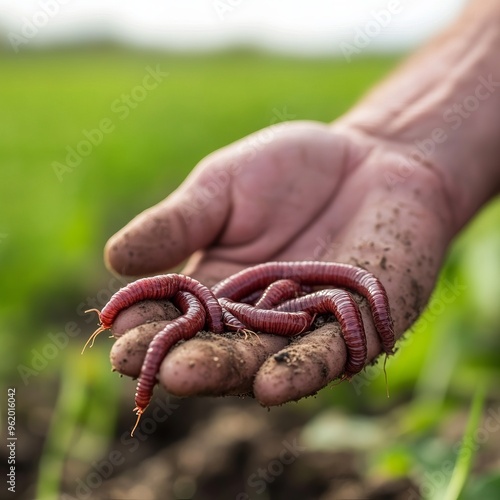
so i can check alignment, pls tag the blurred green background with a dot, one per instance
(53, 227)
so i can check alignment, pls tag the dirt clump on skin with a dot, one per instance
(143, 312)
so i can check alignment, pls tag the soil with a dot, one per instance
(231, 449)
(200, 448)
(234, 449)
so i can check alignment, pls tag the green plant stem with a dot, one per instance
(468, 447)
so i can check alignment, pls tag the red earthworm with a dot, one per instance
(345, 309)
(253, 297)
(316, 273)
(158, 287)
(183, 327)
(231, 322)
(269, 321)
(277, 292)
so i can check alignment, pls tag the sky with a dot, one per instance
(302, 27)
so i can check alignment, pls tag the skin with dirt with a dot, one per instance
(314, 360)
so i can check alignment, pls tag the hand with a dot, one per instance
(294, 191)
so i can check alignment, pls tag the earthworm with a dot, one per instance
(253, 297)
(316, 273)
(345, 309)
(277, 292)
(269, 321)
(268, 285)
(183, 327)
(231, 322)
(159, 287)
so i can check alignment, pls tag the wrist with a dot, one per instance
(399, 173)
(441, 111)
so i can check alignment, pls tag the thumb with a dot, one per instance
(189, 219)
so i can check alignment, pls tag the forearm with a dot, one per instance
(443, 106)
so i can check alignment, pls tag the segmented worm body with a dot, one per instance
(256, 295)
(278, 292)
(183, 327)
(345, 309)
(164, 287)
(286, 324)
(231, 322)
(283, 306)
(160, 287)
(258, 277)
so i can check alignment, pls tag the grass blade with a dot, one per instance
(467, 449)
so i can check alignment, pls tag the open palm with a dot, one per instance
(294, 191)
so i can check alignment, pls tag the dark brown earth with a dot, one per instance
(234, 449)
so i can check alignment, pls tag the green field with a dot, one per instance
(55, 221)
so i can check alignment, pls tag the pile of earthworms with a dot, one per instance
(275, 298)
